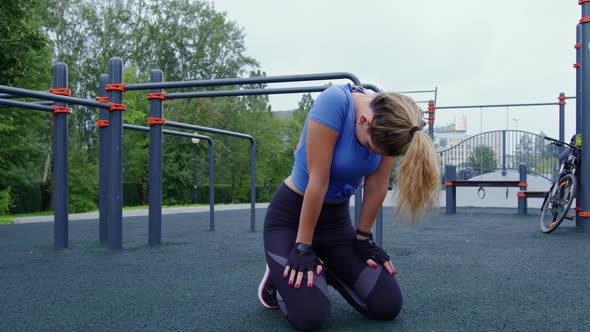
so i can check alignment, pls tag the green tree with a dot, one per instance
(483, 159)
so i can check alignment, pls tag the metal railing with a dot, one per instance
(504, 150)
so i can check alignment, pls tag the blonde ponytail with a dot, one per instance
(418, 178)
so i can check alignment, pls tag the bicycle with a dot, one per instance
(560, 196)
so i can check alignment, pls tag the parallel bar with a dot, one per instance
(247, 80)
(245, 92)
(115, 228)
(155, 167)
(416, 91)
(165, 132)
(561, 118)
(211, 163)
(496, 105)
(579, 120)
(585, 82)
(60, 163)
(39, 103)
(23, 104)
(252, 160)
(371, 87)
(50, 96)
(104, 138)
(10, 96)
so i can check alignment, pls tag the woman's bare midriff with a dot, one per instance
(289, 183)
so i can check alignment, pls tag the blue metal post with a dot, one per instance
(562, 103)
(103, 164)
(504, 153)
(60, 163)
(585, 162)
(451, 190)
(431, 111)
(115, 226)
(155, 173)
(578, 116)
(379, 227)
(522, 201)
(253, 187)
(358, 201)
(211, 189)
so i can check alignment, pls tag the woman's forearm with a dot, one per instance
(373, 198)
(310, 211)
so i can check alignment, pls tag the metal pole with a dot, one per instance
(35, 103)
(579, 118)
(155, 168)
(27, 105)
(195, 174)
(584, 197)
(211, 188)
(115, 227)
(431, 111)
(240, 81)
(103, 164)
(244, 92)
(522, 201)
(358, 201)
(379, 227)
(504, 153)
(60, 163)
(451, 190)
(252, 156)
(253, 186)
(562, 103)
(54, 97)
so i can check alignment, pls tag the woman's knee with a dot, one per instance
(385, 300)
(309, 316)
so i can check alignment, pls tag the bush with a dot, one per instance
(79, 204)
(5, 201)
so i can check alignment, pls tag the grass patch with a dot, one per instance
(6, 220)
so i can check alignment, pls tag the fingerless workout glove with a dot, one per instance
(367, 249)
(302, 258)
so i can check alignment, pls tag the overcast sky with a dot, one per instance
(475, 52)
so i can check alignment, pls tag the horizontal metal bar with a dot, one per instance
(243, 80)
(461, 183)
(573, 97)
(9, 96)
(245, 92)
(497, 105)
(416, 91)
(166, 132)
(31, 102)
(50, 96)
(372, 87)
(23, 104)
(208, 130)
(423, 102)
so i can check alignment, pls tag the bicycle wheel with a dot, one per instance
(556, 207)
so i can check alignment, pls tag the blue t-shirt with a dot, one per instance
(351, 162)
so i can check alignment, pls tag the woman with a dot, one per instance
(309, 240)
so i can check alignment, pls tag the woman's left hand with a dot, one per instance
(370, 252)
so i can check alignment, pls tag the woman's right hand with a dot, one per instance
(302, 259)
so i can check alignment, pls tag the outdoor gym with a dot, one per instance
(462, 266)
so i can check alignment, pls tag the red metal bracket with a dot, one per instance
(115, 87)
(449, 184)
(61, 91)
(156, 95)
(584, 214)
(116, 107)
(102, 99)
(578, 45)
(521, 195)
(431, 107)
(61, 109)
(155, 121)
(577, 209)
(576, 65)
(582, 1)
(585, 19)
(102, 123)
(523, 184)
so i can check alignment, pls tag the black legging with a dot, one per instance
(373, 292)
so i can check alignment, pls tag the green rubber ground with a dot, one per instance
(480, 270)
